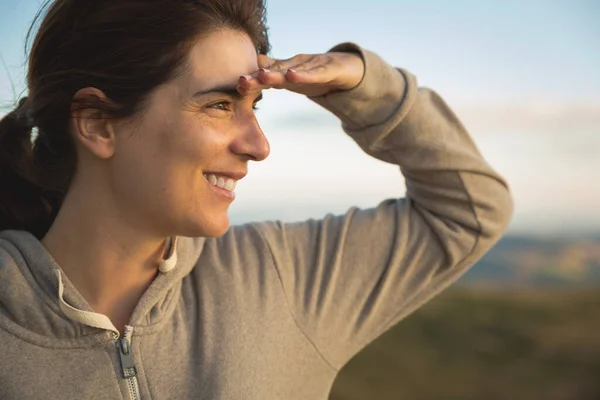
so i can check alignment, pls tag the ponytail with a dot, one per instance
(24, 204)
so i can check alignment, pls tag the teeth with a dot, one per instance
(221, 181)
(229, 185)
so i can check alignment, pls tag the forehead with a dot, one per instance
(221, 58)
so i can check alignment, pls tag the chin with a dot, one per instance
(217, 232)
(206, 228)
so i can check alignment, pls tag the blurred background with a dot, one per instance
(524, 78)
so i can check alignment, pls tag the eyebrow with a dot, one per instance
(228, 90)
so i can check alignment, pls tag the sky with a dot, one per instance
(521, 75)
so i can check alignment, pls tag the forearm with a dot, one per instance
(395, 121)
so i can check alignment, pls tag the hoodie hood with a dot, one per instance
(31, 282)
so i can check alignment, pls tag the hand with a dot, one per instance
(307, 74)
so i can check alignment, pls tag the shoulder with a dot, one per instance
(240, 254)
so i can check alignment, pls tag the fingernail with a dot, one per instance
(246, 77)
(293, 70)
(264, 70)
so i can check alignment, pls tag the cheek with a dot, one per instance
(161, 166)
(142, 161)
(138, 175)
(181, 156)
(199, 142)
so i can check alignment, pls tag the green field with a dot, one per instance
(485, 344)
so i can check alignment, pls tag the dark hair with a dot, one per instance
(125, 48)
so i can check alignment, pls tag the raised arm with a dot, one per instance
(349, 278)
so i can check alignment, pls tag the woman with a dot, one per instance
(120, 276)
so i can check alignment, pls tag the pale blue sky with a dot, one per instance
(521, 74)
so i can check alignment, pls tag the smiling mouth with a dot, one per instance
(220, 181)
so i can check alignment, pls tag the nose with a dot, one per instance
(251, 141)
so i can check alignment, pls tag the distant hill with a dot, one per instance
(536, 262)
(485, 344)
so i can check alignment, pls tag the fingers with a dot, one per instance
(273, 78)
(311, 82)
(260, 80)
(283, 65)
(275, 73)
(316, 75)
(310, 75)
(265, 79)
(307, 74)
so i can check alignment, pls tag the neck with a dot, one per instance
(109, 262)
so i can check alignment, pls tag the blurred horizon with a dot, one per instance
(521, 76)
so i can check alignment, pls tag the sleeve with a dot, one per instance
(349, 278)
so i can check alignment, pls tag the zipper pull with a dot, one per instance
(127, 364)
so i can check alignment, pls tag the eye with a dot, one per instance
(221, 105)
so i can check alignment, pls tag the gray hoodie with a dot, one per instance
(270, 310)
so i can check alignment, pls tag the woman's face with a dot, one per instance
(194, 126)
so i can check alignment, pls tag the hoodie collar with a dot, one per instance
(45, 301)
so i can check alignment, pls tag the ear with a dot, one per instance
(91, 127)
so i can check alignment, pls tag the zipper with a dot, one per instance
(127, 364)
